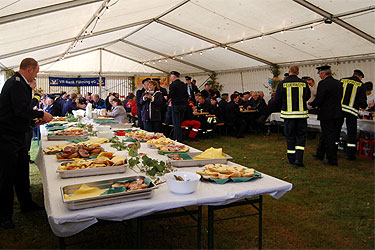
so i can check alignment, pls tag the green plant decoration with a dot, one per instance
(215, 85)
(9, 73)
(275, 70)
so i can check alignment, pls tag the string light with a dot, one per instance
(182, 57)
(226, 47)
(261, 37)
(312, 27)
(201, 53)
(191, 53)
(213, 48)
(241, 41)
(282, 32)
(159, 60)
(166, 60)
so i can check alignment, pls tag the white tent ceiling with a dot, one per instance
(190, 36)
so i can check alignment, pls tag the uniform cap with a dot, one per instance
(359, 72)
(324, 67)
(175, 73)
(286, 74)
(187, 77)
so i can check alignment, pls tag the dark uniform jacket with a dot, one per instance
(15, 109)
(151, 110)
(293, 93)
(138, 96)
(100, 104)
(192, 93)
(259, 105)
(195, 89)
(328, 99)
(354, 95)
(207, 94)
(204, 107)
(188, 114)
(54, 109)
(69, 106)
(178, 93)
(232, 112)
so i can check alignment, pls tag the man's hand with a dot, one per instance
(47, 117)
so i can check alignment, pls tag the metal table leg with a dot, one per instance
(139, 233)
(260, 239)
(199, 229)
(210, 227)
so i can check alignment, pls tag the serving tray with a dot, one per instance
(107, 199)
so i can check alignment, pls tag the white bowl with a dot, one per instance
(189, 185)
(105, 134)
(103, 128)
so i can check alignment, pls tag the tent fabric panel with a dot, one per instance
(14, 7)
(325, 41)
(115, 63)
(130, 11)
(174, 65)
(45, 29)
(38, 55)
(133, 52)
(366, 22)
(340, 6)
(221, 59)
(88, 62)
(91, 41)
(225, 22)
(167, 40)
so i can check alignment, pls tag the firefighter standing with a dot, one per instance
(354, 97)
(292, 93)
(328, 101)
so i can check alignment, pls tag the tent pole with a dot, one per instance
(100, 72)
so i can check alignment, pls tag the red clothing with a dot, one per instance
(133, 108)
(192, 124)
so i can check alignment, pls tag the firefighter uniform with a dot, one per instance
(354, 97)
(15, 117)
(292, 93)
(328, 101)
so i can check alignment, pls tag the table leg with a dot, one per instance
(139, 233)
(62, 243)
(260, 221)
(199, 229)
(210, 227)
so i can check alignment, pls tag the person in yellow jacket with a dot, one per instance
(292, 93)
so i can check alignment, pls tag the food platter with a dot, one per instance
(108, 198)
(222, 173)
(199, 162)
(92, 171)
(65, 137)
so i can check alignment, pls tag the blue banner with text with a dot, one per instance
(73, 82)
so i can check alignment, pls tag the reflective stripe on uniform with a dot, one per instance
(351, 145)
(300, 148)
(37, 97)
(352, 97)
(291, 151)
(349, 109)
(289, 98)
(294, 114)
(194, 129)
(300, 94)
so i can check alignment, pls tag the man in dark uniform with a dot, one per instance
(189, 88)
(138, 96)
(178, 95)
(233, 115)
(292, 93)
(15, 117)
(354, 97)
(195, 88)
(328, 101)
(207, 92)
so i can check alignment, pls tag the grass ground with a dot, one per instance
(329, 207)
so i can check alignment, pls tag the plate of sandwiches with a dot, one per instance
(222, 173)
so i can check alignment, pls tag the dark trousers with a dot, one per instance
(140, 122)
(177, 118)
(295, 131)
(240, 126)
(351, 126)
(327, 143)
(14, 172)
(152, 126)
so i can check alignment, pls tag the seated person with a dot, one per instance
(246, 99)
(214, 107)
(233, 115)
(190, 122)
(97, 102)
(202, 105)
(207, 92)
(118, 111)
(71, 105)
(128, 102)
(257, 119)
(53, 108)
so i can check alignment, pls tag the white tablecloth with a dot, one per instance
(313, 122)
(66, 222)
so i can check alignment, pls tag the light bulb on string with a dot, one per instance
(261, 37)
(182, 57)
(312, 27)
(225, 47)
(159, 60)
(241, 41)
(191, 53)
(282, 32)
(166, 60)
(201, 53)
(213, 48)
(153, 62)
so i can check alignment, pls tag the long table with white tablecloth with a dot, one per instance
(65, 222)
